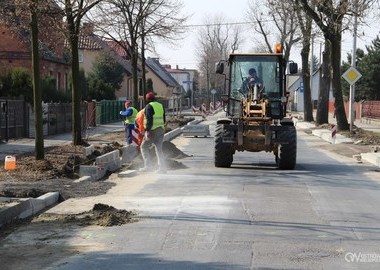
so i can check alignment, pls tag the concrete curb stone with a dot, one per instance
(28, 207)
(373, 158)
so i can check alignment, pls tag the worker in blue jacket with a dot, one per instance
(129, 122)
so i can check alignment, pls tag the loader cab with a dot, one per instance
(270, 74)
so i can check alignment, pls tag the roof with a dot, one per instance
(161, 72)
(87, 43)
(93, 42)
(294, 79)
(172, 70)
(44, 51)
(119, 49)
(21, 28)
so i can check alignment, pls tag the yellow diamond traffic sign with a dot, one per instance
(352, 75)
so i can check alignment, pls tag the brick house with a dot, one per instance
(15, 47)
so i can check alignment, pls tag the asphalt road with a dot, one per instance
(325, 214)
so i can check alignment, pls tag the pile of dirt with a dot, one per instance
(364, 136)
(100, 215)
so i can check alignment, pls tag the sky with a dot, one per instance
(183, 52)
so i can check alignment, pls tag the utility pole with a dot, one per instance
(353, 64)
(312, 63)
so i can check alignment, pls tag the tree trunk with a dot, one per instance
(39, 139)
(308, 106)
(76, 94)
(324, 88)
(76, 91)
(340, 113)
(135, 81)
(143, 66)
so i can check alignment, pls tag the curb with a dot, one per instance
(28, 207)
(373, 158)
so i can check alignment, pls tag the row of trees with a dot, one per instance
(293, 22)
(130, 23)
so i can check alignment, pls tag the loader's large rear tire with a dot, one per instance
(223, 155)
(287, 153)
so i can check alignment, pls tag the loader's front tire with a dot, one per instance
(223, 155)
(287, 152)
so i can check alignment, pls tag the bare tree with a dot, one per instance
(322, 116)
(74, 11)
(275, 20)
(215, 42)
(330, 16)
(160, 23)
(128, 22)
(39, 137)
(15, 14)
(305, 25)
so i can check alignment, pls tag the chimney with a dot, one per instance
(177, 67)
(88, 28)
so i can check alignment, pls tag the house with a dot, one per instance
(164, 85)
(185, 77)
(91, 46)
(15, 46)
(295, 87)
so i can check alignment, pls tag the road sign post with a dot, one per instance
(333, 134)
(352, 75)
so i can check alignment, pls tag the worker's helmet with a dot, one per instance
(150, 96)
(127, 103)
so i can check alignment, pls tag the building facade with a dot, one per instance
(16, 47)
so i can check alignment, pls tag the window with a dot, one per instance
(58, 81)
(267, 69)
(80, 56)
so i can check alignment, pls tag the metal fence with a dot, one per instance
(17, 119)
(13, 115)
(108, 111)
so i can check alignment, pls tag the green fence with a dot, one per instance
(108, 111)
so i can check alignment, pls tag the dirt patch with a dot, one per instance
(101, 215)
(358, 135)
(60, 168)
(363, 141)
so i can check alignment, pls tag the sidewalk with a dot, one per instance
(326, 134)
(25, 145)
